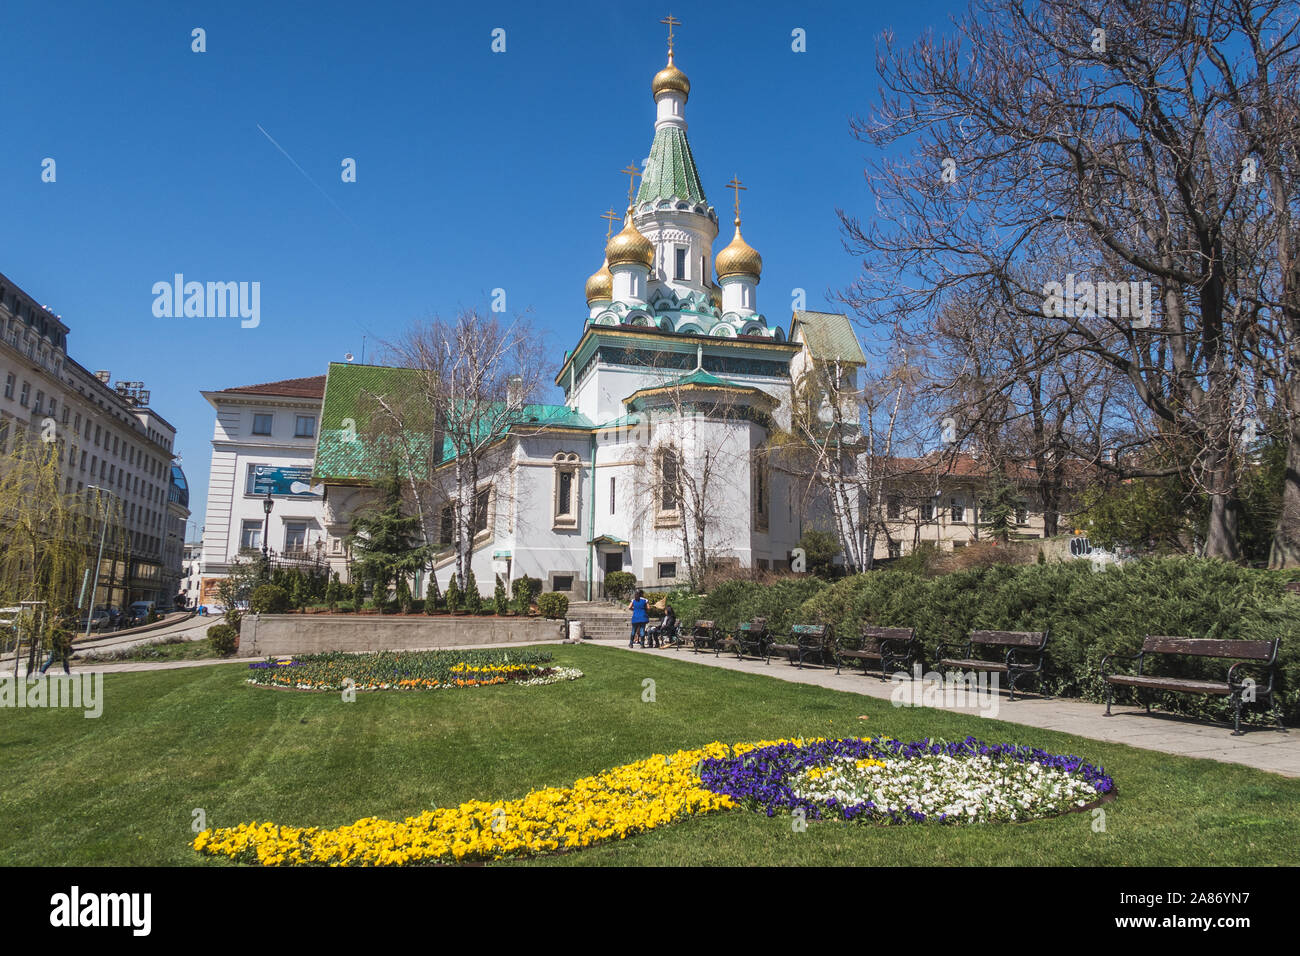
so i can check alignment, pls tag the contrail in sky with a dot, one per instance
(327, 196)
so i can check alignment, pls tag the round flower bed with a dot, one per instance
(887, 781)
(409, 670)
(864, 780)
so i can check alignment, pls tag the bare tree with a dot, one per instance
(475, 376)
(1102, 135)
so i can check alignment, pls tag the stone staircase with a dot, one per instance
(601, 620)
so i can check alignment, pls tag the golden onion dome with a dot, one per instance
(739, 258)
(629, 247)
(670, 78)
(715, 296)
(600, 287)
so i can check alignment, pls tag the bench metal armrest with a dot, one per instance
(942, 650)
(1262, 665)
(1120, 657)
(1026, 665)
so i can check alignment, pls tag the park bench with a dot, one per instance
(704, 634)
(1025, 651)
(810, 641)
(1258, 654)
(750, 638)
(895, 648)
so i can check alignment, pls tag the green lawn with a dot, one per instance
(122, 789)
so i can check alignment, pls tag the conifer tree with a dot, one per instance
(431, 596)
(453, 594)
(499, 597)
(385, 541)
(473, 600)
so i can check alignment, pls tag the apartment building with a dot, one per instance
(112, 445)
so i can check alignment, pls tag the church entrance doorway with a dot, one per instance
(613, 562)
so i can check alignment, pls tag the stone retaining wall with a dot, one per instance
(263, 635)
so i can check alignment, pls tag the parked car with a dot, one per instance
(99, 620)
(139, 611)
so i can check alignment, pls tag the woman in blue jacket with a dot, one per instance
(640, 609)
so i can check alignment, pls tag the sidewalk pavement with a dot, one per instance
(1262, 748)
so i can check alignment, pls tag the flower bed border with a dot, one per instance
(748, 781)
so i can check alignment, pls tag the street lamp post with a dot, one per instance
(94, 584)
(267, 504)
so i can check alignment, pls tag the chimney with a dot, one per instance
(515, 391)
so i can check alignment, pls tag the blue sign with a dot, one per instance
(288, 482)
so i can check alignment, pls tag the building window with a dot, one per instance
(295, 537)
(667, 570)
(4, 435)
(447, 518)
(562, 582)
(680, 272)
(24, 397)
(446, 526)
(958, 510)
(760, 492)
(1022, 514)
(261, 424)
(304, 427)
(250, 536)
(612, 499)
(566, 490)
(9, 385)
(893, 507)
(40, 401)
(669, 479)
(895, 549)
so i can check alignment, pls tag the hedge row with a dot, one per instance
(1090, 613)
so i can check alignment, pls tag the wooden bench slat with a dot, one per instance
(1171, 683)
(1010, 638)
(1208, 647)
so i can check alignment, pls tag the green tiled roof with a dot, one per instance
(829, 336)
(699, 379)
(671, 172)
(358, 439)
(530, 417)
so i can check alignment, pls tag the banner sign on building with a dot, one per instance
(289, 481)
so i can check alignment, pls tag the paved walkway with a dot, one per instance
(1264, 749)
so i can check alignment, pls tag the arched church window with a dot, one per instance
(565, 496)
(669, 485)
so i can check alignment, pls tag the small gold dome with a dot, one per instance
(670, 78)
(629, 246)
(739, 258)
(715, 296)
(600, 287)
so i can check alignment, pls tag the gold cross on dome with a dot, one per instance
(612, 217)
(632, 172)
(671, 22)
(735, 186)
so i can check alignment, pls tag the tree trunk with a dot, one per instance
(1221, 539)
(1285, 551)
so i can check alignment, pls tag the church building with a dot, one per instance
(660, 457)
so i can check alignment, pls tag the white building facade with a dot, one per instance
(264, 441)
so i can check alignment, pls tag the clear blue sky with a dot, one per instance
(475, 170)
